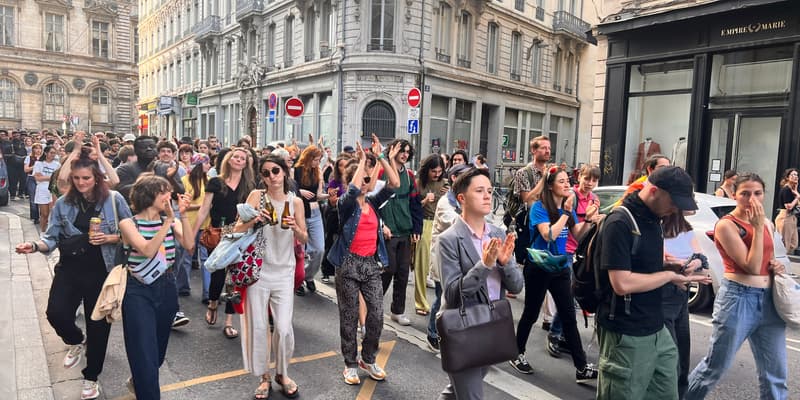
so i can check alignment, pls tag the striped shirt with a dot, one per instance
(148, 230)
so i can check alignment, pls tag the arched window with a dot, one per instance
(55, 100)
(101, 110)
(8, 98)
(379, 119)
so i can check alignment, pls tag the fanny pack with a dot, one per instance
(151, 269)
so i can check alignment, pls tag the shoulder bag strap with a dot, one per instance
(114, 207)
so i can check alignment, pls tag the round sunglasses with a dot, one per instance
(275, 171)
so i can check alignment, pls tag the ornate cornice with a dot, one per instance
(101, 8)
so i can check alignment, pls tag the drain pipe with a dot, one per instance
(339, 133)
(422, 79)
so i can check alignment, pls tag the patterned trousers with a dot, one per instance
(359, 274)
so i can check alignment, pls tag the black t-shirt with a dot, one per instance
(223, 205)
(646, 316)
(85, 212)
(313, 187)
(785, 196)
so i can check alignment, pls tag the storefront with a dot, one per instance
(713, 87)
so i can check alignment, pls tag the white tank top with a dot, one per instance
(680, 246)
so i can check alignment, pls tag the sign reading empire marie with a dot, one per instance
(753, 28)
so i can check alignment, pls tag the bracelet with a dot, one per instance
(381, 156)
(35, 246)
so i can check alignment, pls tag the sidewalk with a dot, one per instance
(21, 339)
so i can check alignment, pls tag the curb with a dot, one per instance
(31, 376)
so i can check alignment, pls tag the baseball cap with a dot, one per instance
(129, 137)
(676, 182)
(348, 149)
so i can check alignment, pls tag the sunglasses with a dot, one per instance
(275, 171)
(367, 179)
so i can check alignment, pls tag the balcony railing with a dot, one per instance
(208, 27)
(514, 76)
(463, 62)
(442, 57)
(566, 22)
(380, 47)
(248, 8)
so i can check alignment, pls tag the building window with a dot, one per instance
(136, 46)
(8, 99)
(270, 46)
(462, 129)
(100, 41)
(540, 10)
(519, 5)
(465, 40)
(491, 48)
(252, 41)
(310, 30)
(53, 32)
(439, 123)
(178, 79)
(287, 41)
(6, 26)
(379, 118)
(442, 45)
(101, 112)
(326, 29)
(569, 72)
(55, 100)
(557, 65)
(516, 59)
(382, 25)
(536, 63)
(228, 61)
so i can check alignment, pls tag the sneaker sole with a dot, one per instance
(73, 365)
(585, 380)
(352, 383)
(519, 370)
(180, 323)
(372, 376)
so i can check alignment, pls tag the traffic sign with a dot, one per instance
(414, 97)
(294, 107)
(273, 101)
(413, 113)
(413, 126)
(271, 116)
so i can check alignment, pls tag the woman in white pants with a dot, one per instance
(275, 288)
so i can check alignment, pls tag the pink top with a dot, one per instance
(580, 211)
(365, 241)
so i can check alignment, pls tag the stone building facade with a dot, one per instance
(492, 74)
(68, 64)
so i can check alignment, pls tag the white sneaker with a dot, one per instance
(374, 370)
(74, 355)
(351, 376)
(91, 390)
(401, 319)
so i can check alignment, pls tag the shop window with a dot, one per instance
(327, 123)
(439, 122)
(379, 118)
(8, 98)
(751, 77)
(189, 122)
(534, 130)
(509, 150)
(462, 129)
(662, 76)
(309, 114)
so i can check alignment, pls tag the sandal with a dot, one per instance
(288, 387)
(211, 315)
(262, 392)
(229, 332)
(422, 312)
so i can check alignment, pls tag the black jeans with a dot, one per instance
(215, 289)
(75, 282)
(537, 283)
(399, 252)
(16, 179)
(675, 302)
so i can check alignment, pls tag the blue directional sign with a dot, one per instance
(271, 116)
(413, 126)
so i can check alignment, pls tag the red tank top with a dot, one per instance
(769, 248)
(365, 241)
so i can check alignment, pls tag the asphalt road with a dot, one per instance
(202, 364)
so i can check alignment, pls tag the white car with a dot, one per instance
(710, 209)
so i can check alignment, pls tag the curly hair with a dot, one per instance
(145, 190)
(310, 175)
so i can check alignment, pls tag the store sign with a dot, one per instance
(751, 28)
(165, 102)
(191, 99)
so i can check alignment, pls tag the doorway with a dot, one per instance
(745, 141)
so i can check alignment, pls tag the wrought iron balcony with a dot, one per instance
(463, 62)
(387, 46)
(570, 24)
(248, 8)
(442, 56)
(210, 26)
(515, 76)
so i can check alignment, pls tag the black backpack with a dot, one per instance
(589, 288)
(516, 220)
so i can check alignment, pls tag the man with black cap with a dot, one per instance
(349, 150)
(638, 357)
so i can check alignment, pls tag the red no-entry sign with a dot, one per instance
(294, 107)
(414, 97)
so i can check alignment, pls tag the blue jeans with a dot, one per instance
(147, 313)
(437, 303)
(30, 184)
(182, 266)
(202, 256)
(743, 312)
(316, 243)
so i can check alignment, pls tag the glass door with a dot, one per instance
(745, 143)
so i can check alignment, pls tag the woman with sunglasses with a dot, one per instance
(359, 255)
(274, 290)
(222, 194)
(552, 219)
(85, 257)
(148, 309)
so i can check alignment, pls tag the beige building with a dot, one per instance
(68, 64)
(492, 74)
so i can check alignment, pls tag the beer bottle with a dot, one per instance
(273, 216)
(285, 214)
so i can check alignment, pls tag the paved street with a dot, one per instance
(203, 364)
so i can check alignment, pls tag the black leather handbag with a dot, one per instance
(477, 335)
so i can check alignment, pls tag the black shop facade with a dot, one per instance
(713, 87)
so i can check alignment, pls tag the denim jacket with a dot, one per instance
(63, 215)
(351, 214)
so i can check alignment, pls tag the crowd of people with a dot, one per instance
(360, 219)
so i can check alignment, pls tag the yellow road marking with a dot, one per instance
(383, 356)
(232, 374)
